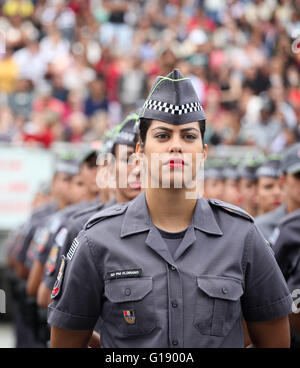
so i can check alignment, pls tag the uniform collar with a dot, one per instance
(137, 218)
(204, 218)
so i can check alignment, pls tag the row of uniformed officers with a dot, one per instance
(128, 267)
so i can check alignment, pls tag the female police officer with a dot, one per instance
(167, 271)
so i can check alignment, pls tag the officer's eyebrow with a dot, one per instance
(171, 130)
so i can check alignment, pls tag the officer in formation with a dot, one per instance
(252, 184)
(290, 186)
(122, 147)
(54, 234)
(285, 239)
(40, 246)
(40, 203)
(287, 253)
(170, 269)
(119, 149)
(21, 252)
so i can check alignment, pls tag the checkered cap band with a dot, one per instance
(173, 109)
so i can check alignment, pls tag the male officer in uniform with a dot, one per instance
(290, 183)
(164, 270)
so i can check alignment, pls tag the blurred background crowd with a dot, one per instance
(71, 69)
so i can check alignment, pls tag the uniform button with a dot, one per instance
(175, 342)
(118, 209)
(174, 304)
(172, 268)
(127, 292)
(224, 291)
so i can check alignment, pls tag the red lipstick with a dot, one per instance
(176, 162)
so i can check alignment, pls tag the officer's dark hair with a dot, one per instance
(145, 125)
(113, 150)
(91, 161)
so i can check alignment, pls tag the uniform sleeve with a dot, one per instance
(71, 232)
(77, 305)
(266, 296)
(286, 248)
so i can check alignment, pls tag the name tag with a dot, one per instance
(123, 274)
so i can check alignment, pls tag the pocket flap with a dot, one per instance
(126, 290)
(220, 287)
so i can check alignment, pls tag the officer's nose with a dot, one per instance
(175, 146)
(136, 171)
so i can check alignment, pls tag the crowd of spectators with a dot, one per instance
(70, 69)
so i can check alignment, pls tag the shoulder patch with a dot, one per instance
(231, 208)
(115, 210)
(50, 265)
(58, 283)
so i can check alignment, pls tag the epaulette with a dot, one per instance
(231, 208)
(91, 208)
(115, 210)
(290, 217)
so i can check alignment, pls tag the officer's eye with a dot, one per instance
(190, 137)
(162, 136)
(269, 186)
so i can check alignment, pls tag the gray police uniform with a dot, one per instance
(53, 227)
(25, 325)
(268, 222)
(287, 249)
(35, 221)
(122, 271)
(287, 253)
(65, 237)
(290, 165)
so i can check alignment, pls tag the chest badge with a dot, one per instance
(129, 316)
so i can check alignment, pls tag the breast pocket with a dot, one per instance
(130, 305)
(217, 305)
